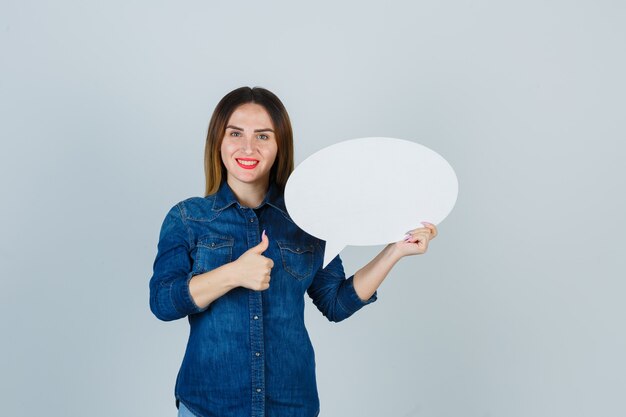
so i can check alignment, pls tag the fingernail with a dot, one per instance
(407, 237)
(263, 233)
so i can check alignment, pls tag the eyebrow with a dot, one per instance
(256, 130)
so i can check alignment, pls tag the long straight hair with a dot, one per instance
(214, 168)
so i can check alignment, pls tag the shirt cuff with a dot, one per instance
(181, 297)
(350, 300)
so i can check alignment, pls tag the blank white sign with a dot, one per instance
(369, 191)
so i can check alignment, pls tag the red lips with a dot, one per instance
(247, 166)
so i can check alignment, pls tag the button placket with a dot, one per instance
(257, 361)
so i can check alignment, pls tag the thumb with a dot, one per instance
(262, 246)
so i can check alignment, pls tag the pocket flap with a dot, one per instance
(295, 247)
(213, 241)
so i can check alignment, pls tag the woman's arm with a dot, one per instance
(176, 293)
(337, 298)
(169, 292)
(209, 286)
(251, 270)
(369, 278)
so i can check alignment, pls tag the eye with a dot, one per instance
(234, 133)
(264, 137)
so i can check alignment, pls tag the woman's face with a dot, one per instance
(249, 145)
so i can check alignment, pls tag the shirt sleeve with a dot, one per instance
(170, 298)
(333, 294)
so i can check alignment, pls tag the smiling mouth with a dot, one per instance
(247, 163)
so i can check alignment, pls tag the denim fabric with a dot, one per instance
(248, 353)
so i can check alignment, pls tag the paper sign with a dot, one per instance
(369, 191)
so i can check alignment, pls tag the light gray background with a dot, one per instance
(517, 308)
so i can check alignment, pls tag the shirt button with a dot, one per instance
(251, 220)
(258, 390)
(256, 317)
(258, 354)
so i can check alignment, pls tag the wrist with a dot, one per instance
(231, 275)
(392, 252)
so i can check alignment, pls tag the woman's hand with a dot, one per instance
(252, 269)
(416, 241)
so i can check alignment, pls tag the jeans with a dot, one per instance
(184, 411)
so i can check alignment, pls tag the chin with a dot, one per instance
(251, 180)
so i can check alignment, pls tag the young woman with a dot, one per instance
(236, 265)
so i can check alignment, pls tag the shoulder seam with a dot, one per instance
(183, 216)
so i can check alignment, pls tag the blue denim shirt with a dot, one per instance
(248, 353)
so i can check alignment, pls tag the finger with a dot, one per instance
(411, 233)
(432, 228)
(418, 242)
(421, 240)
(418, 246)
(261, 246)
(420, 235)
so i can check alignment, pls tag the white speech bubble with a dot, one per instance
(369, 191)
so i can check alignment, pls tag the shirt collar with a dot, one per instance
(225, 197)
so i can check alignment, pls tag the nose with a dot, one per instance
(248, 145)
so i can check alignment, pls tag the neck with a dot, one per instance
(248, 195)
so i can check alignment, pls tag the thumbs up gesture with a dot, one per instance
(252, 269)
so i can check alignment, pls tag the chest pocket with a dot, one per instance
(212, 251)
(297, 259)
